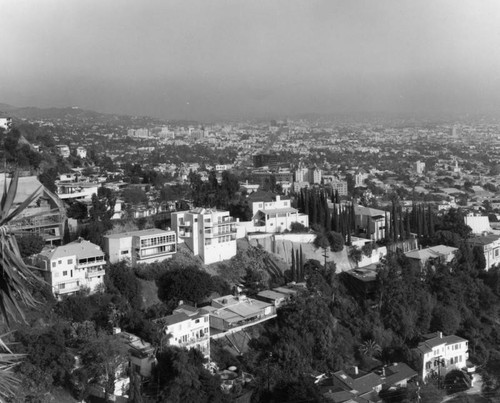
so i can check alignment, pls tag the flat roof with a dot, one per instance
(144, 232)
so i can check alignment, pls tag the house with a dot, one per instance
(73, 267)
(208, 233)
(45, 216)
(142, 354)
(371, 220)
(5, 123)
(76, 190)
(440, 354)
(187, 327)
(490, 246)
(276, 215)
(421, 258)
(145, 246)
(273, 297)
(229, 313)
(354, 385)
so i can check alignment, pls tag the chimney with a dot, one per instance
(440, 335)
(356, 372)
(278, 198)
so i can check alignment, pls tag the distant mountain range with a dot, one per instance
(77, 114)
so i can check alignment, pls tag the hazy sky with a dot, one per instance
(214, 58)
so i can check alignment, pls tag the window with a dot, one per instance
(59, 262)
(124, 252)
(53, 264)
(65, 273)
(197, 321)
(62, 286)
(70, 261)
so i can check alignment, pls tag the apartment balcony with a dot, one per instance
(185, 234)
(95, 272)
(215, 234)
(228, 220)
(90, 262)
(68, 289)
(194, 340)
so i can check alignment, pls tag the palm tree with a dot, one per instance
(370, 348)
(14, 279)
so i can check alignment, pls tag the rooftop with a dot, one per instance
(144, 232)
(81, 249)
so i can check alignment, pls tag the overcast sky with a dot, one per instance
(214, 58)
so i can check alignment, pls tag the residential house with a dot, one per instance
(187, 327)
(208, 233)
(145, 246)
(73, 267)
(76, 190)
(276, 215)
(440, 354)
(142, 354)
(63, 150)
(354, 385)
(371, 220)
(422, 258)
(229, 313)
(45, 216)
(490, 246)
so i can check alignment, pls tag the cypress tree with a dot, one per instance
(431, 221)
(386, 228)
(369, 227)
(425, 225)
(293, 265)
(401, 223)
(301, 265)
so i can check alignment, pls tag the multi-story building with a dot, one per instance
(81, 152)
(188, 327)
(275, 216)
(145, 246)
(490, 246)
(335, 184)
(73, 267)
(63, 150)
(419, 167)
(440, 354)
(44, 216)
(209, 233)
(371, 220)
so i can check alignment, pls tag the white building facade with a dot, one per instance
(146, 246)
(440, 354)
(208, 233)
(73, 267)
(188, 327)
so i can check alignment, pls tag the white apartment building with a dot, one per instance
(275, 216)
(73, 267)
(81, 152)
(209, 233)
(145, 246)
(419, 167)
(440, 354)
(188, 327)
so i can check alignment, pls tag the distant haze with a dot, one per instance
(211, 59)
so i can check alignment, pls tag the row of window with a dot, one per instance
(157, 241)
(81, 261)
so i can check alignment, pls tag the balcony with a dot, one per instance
(95, 272)
(194, 340)
(91, 261)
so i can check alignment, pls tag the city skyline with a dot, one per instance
(224, 59)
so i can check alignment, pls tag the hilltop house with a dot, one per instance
(208, 233)
(145, 246)
(187, 327)
(440, 354)
(72, 267)
(420, 258)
